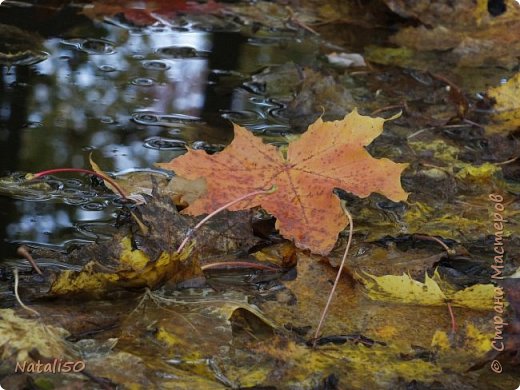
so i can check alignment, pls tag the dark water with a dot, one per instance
(130, 96)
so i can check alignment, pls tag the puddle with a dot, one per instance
(131, 96)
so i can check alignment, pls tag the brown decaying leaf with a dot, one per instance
(226, 232)
(328, 155)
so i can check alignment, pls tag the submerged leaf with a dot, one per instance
(228, 231)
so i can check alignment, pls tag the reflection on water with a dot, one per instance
(131, 96)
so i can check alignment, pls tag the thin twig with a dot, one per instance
(294, 19)
(448, 250)
(416, 133)
(24, 252)
(470, 122)
(239, 264)
(508, 161)
(17, 296)
(391, 107)
(331, 295)
(227, 205)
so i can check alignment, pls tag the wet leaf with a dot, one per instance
(228, 231)
(20, 337)
(328, 155)
(138, 183)
(319, 92)
(133, 269)
(193, 331)
(474, 36)
(392, 261)
(507, 106)
(434, 291)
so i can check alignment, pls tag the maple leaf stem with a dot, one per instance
(191, 232)
(331, 295)
(80, 170)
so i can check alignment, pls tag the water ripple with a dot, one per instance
(162, 143)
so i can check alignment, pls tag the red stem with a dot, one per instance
(453, 322)
(87, 171)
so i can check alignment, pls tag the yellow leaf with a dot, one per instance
(19, 336)
(478, 297)
(475, 173)
(404, 289)
(458, 350)
(133, 259)
(507, 106)
(135, 270)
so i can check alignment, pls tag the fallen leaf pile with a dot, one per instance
(468, 31)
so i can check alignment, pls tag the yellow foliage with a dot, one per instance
(507, 98)
(441, 340)
(133, 259)
(481, 172)
(404, 289)
(449, 154)
(389, 55)
(441, 150)
(168, 338)
(70, 282)
(480, 341)
(458, 351)
(135, 270)
(18, 336)
(375, 367)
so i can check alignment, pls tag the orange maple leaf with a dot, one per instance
(326, 156)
